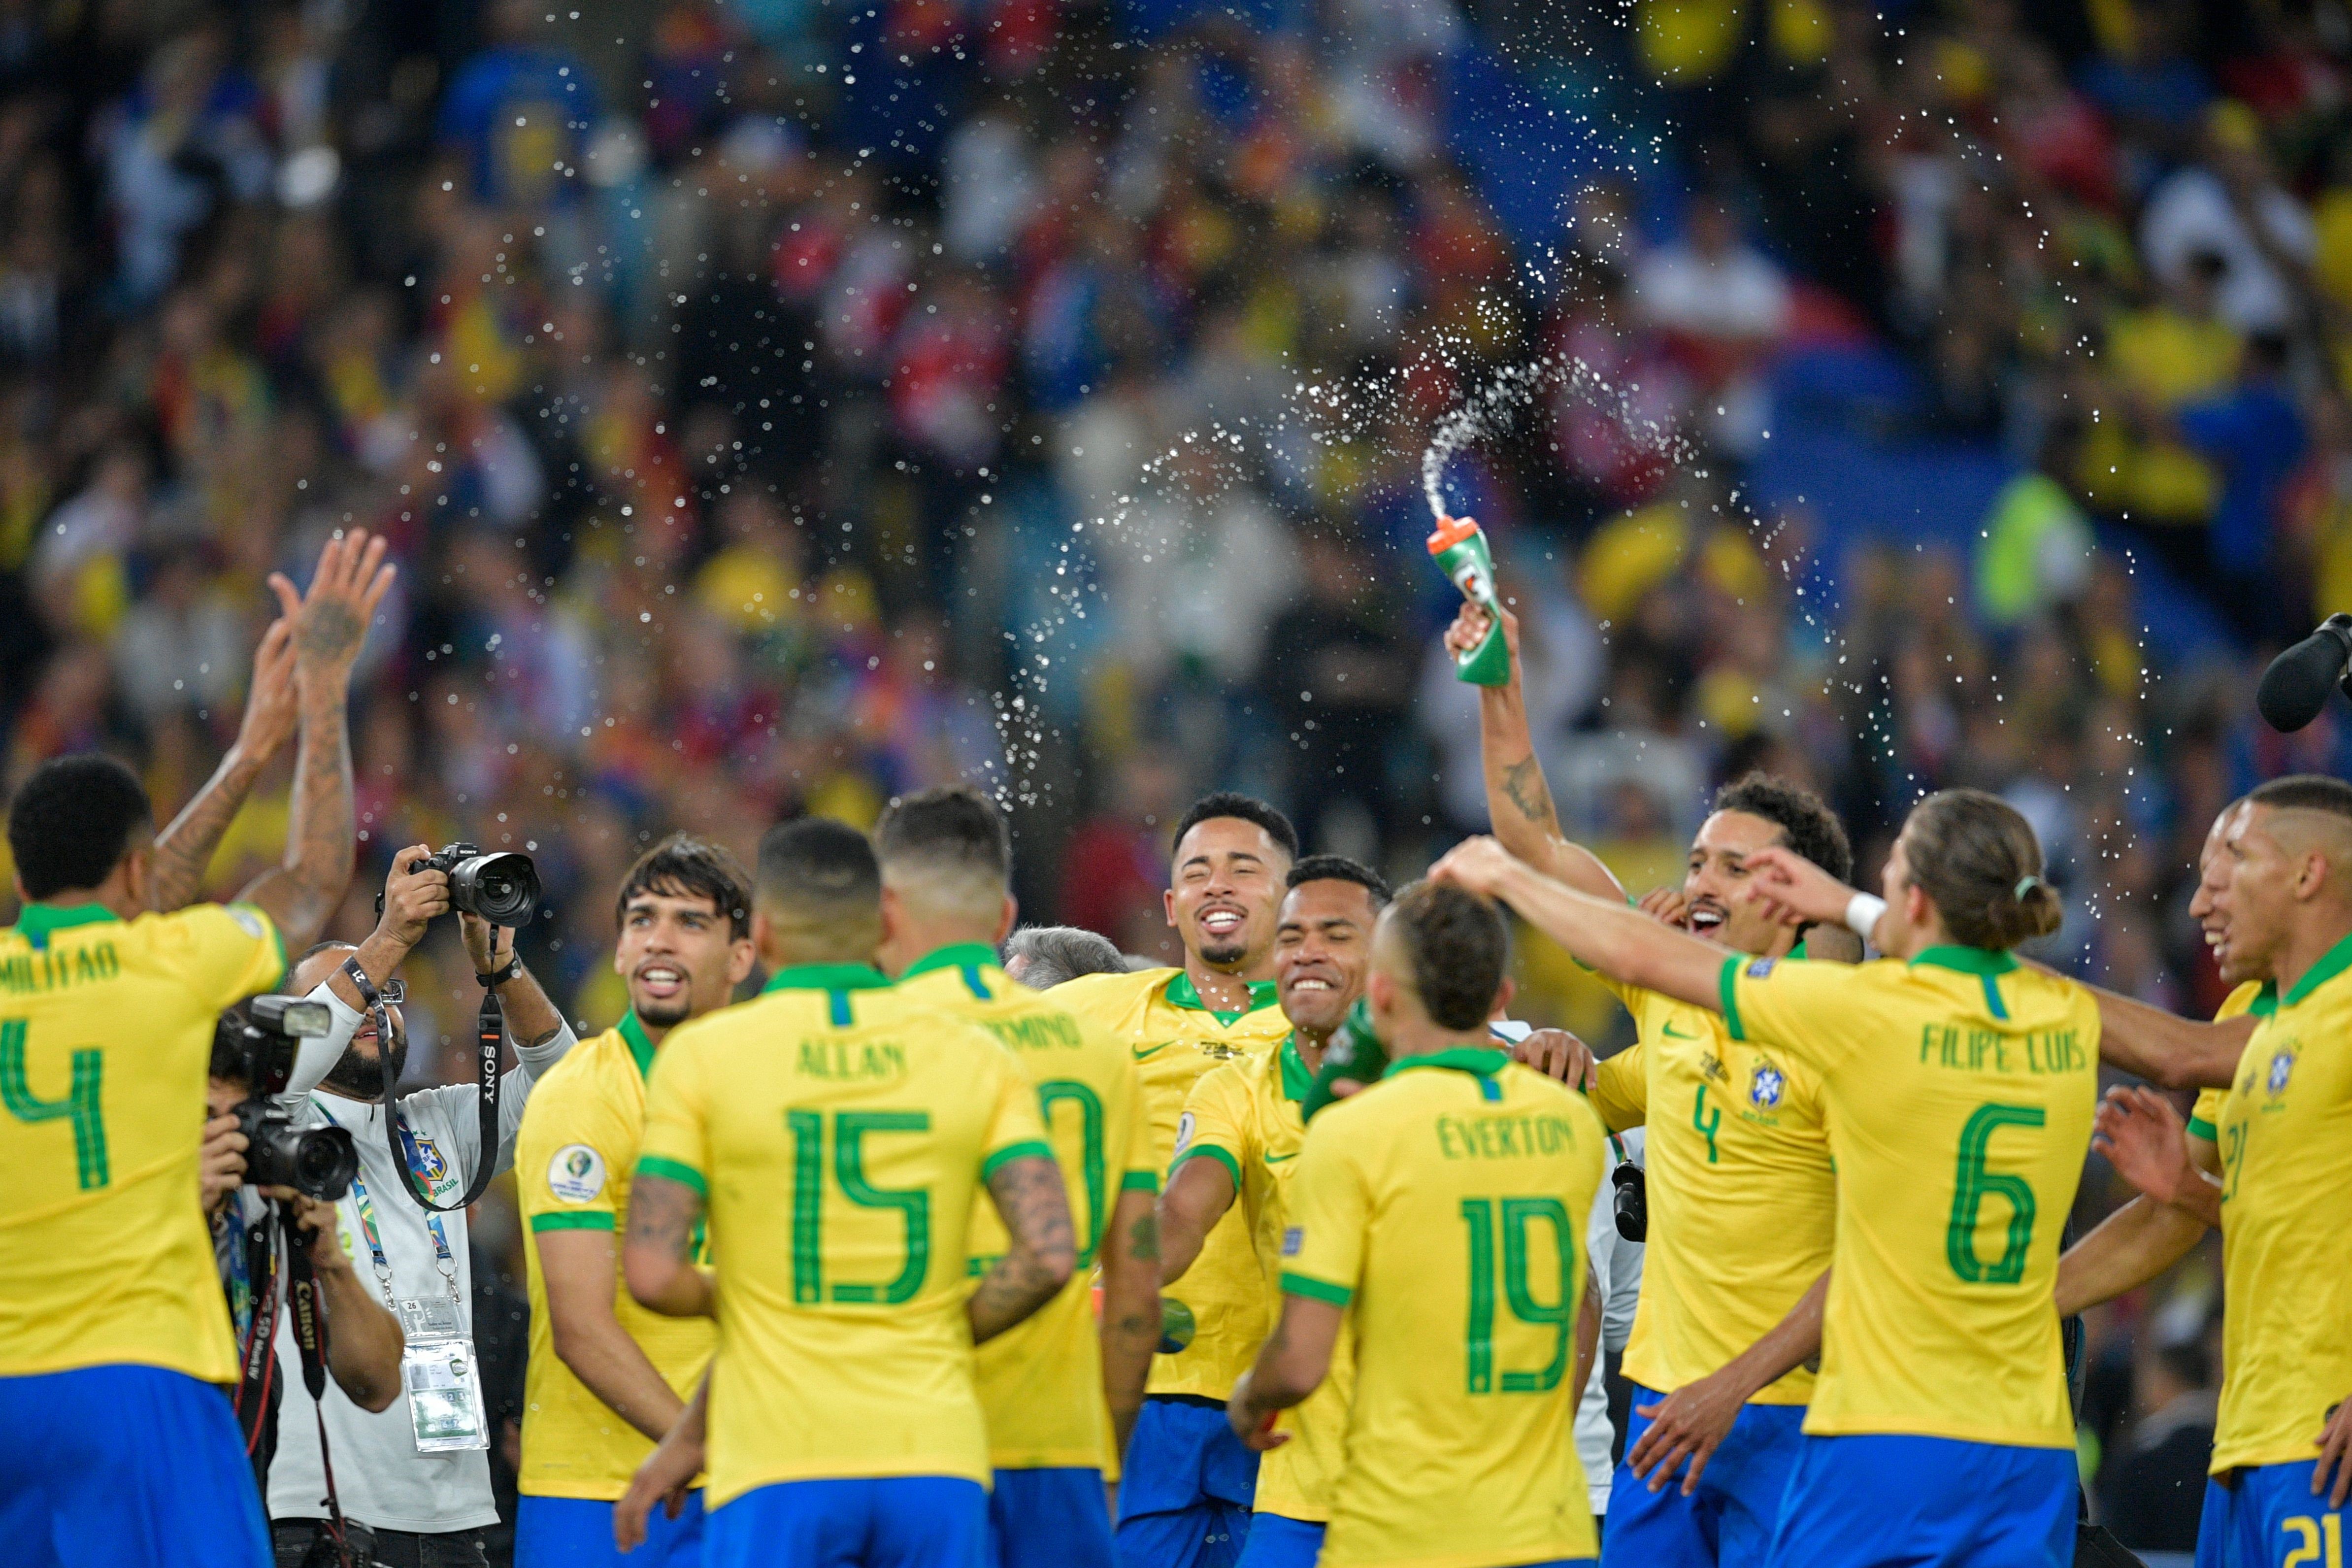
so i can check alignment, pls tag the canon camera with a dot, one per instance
(254, 1044)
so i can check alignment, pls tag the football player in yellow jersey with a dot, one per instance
(2145, 1237)
(1441, 1210)
(111, 1313)
(838, 1135)
(1059, 1393)
(2281, 1465)
(1741, 1195)
(608, 1379)
(1185, 1489)
(1959, 1089)
(1243, 1134)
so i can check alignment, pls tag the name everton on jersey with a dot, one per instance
(1502, 1137)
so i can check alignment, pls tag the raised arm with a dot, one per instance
(1130, 1308)
(1602, 934)
(658, 1259)
(1044, 1253)
(184, 848)
(1518, 800)
(330, 624)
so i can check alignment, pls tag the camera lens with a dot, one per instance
(325, 1160)
(500, 888)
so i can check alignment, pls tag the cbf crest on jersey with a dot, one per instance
(1766, 1085)
(2281, 1068)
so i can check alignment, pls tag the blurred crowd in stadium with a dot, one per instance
(777, 406)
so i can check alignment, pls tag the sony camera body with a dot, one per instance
(254, 1044)
(501, 887)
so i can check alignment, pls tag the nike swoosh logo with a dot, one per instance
(1674, 1034)
(1278, 1159)
(1147, 1055)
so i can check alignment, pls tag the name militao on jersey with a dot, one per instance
(841, 1134)
(106, 1034)
(574, 1155)
(1175, 1038)
(1041, 1381)
(1958, 1090)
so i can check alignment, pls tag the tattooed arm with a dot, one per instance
(1130, 1307)
(330, 624)
(1044, 1254)
(1518, 800)
(184, 848)
(1290, 1365)
(657, 1257)
(1199, 1192)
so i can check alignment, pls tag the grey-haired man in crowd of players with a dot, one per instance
(413, 1478)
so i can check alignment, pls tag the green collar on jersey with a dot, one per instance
(827, 978)
(1295, 1080)
(1182, 993)
(955, 955)
(2331, 963)
(39, 920)
(1474, 1059)
(1969, 960)
(632, 1035)
(2265, 1001)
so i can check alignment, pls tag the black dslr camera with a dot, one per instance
(502, 888)
(254, 1044)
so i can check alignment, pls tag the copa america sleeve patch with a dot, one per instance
(246, 921)
(1760, 968)
(1184, 1134)
(576, 1173)
(1293, 1239)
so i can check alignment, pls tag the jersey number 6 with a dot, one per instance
(1975, 1183)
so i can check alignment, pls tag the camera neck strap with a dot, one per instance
(490, 1036)
(309, 1319)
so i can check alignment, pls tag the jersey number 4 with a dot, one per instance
(80, 1105)
(1512, 1217)
(1975, 1183)
(850, 1128)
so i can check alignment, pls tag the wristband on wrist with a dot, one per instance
(501, 976)
(1861, 914)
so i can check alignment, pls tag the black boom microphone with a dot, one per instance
(2294, 688)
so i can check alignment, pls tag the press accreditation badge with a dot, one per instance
(443, 1379)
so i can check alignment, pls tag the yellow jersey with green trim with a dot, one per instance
(2286, 1257)
(1743, 1200)
(1445, 1208)
(2259, 998)
(106, 1034)
(1958, 1090)
(841, 1134)
(1174, 1040)
(574, 1157)
(1041, 1383)
(1244, 1116)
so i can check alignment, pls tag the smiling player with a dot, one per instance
(1185, 1499)
(1741, 1189)
(607, 1377)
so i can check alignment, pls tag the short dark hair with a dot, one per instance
(1248, 808)
(683, 866)
(1339, 869)
(2305, 792)
(816, 863)
(1052, 954)
(72, 821)
(952, 828)
(1975, 856)
(1805, 819)
(1460, 947)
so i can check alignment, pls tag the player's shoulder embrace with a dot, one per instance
(1099, 994)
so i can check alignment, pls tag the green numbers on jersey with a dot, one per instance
(1704, 1123)
(1062, 1091)
(1975, 1183)
(1519, 1293)
(850, 1128)
(80, 1104)
(2234, 1154)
